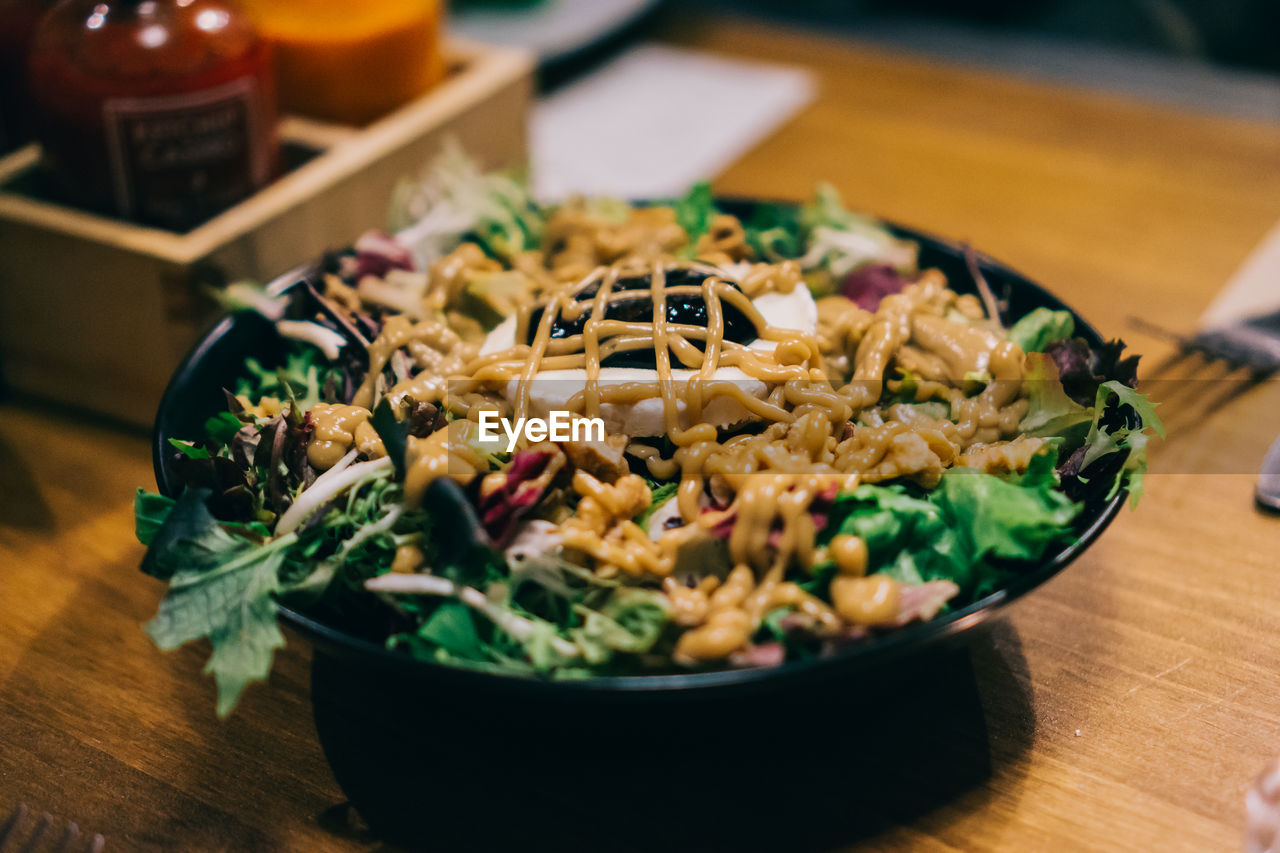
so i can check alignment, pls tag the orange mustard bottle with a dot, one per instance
(158, 111)
(351, 63)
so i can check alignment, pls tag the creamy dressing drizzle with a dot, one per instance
(815, 441)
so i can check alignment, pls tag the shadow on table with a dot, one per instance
(814, 768)
(24, 506)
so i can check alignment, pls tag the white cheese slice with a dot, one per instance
(551, 389)
(794, 310)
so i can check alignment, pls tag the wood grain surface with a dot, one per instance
(1125, 705)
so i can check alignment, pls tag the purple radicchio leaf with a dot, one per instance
(1082, 368)
(523, 486)
(819, 509)
(378, 254)
(870, 283)
(761, 654)
(923, 601)
(281, 452)
(230, 498)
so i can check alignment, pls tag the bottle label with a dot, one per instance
(179, 159)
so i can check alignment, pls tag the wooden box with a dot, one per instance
(97, 313)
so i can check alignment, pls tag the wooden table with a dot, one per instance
(1128, 703)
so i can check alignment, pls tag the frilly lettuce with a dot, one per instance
(840, 240)
(1120, 419)
(1129, 438)
(455, 199)
(953, 532)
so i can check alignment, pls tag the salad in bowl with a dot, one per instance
(598, 438)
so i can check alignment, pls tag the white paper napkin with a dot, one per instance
(1253, 289)
(657, 119)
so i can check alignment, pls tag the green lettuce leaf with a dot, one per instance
(630, 622)
(514, 223)
(245, 639)
(149, 513)
(188, 449)
(1087, 434)
(657, 498)
(952, 531)
(453, 628)
(1000, 518)
(222, 587)
(393, 431)
(300, 379)
(1041, 327)
(1050, 412)
(694, 213)
(1129, 438)
(773, 232)
(907, 537)
(222, 428)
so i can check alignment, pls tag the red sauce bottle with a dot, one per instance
(159, 111)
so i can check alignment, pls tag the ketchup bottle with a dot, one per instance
(158, 111)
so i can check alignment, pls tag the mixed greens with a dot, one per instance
(256, 527)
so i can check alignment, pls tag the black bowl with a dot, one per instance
(434, 754)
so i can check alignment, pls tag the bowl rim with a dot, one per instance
(903, 641)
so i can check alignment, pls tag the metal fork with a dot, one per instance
(1252, 344)
(45, 833)
(1248, 349)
